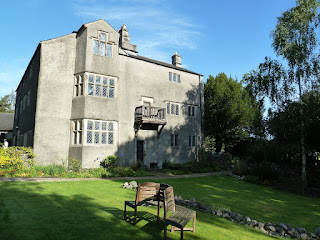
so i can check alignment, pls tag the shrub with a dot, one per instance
(109, 162)
(122, 172)
(74, 165)
(11, 157)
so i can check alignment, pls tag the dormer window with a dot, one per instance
(101, 46)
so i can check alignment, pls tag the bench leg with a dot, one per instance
(135, 215)
(165, 231)
(181, 234)
(194, 223)
(125, 211)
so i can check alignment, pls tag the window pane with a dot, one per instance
(177, 109)
(193, 109)
(104, 138)
(80, 125)
(96, 125)
(110, 138)
(89, 137)
(174, 77)
(77, 90)
(95, 47)
(102, 49)
(178, 76)
(110, 127)
(168, 108)
(81, 89)
(98, 80)
(80, 137)
(190, 142)
(102, 37)
(109, 50)
(172, 139)
(90, 89)
(96, 137)
(91, 79)
(105, 81)
(97, 93)
(111, 83)
(189, 110)
(111, 92)
(89, 126)
(193, 141)
(172, 108)
(104, 92)
(170, 76)
(176, 141)
(74, 137)
(104, 126)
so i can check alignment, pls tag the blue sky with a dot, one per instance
(212, 36)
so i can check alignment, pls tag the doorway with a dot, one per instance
(140, 151)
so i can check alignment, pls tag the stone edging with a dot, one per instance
(278, 229)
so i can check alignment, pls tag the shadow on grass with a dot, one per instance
(28, 211)
(258, 202)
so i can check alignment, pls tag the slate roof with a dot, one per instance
(161, 63)
(6, 121)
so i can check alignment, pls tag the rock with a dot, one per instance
(283, 226)
(301, 230)
(263, 230)
(312, 235)
(260, 225)
(218, 213)
(304, 236)
(317, 232)
(192, 200)
(272, 228)
(293, 233)
(247, 219)
(133, 184)
(125, 185)
(254, 222)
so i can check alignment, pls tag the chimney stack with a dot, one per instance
(125, 40)
(176, 59)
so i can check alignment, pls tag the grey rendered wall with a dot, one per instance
(54, 101)
(144, 79)
(25, 120)
(135, 79)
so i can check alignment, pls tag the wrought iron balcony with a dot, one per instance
(150, 115)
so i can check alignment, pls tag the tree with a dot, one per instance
(7, 103)
(295, 40)
(229, 110)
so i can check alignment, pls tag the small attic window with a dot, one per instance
(101, 46)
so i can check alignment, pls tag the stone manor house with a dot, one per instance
(88, 95)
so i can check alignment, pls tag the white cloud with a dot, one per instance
(158, 30)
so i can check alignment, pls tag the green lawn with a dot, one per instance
(94, 210)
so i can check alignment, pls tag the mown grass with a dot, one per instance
(94, 209)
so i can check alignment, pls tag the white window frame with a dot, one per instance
(174, 77)
(174, 140)
(191, 111)
(104, 47)
(192, 141)
(102, 86)
(77, 132)
(100, 130)
(173, 109)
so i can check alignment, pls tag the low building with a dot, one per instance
(6, 126)
(89, 94)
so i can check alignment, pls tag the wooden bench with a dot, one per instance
(180, 216)
(147, 195)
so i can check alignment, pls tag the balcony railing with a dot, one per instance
(152, 115)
